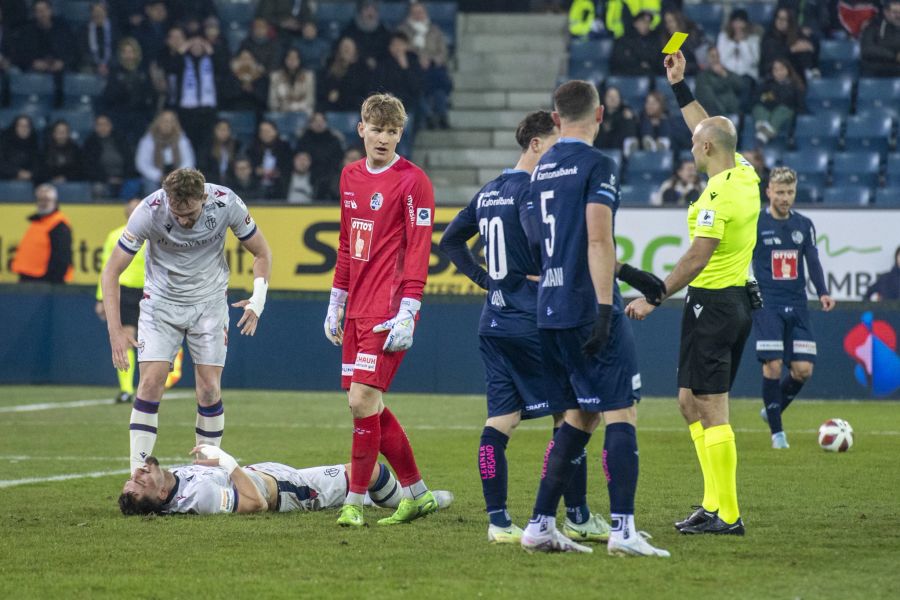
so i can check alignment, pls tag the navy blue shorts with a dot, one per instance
(784, 333)
(515, 376)
(608, 381)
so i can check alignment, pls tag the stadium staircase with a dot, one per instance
(506, 65)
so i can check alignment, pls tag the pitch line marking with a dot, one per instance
(25, 457)
(76, 403)
(14, 482)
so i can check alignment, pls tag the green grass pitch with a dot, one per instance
(819, 525)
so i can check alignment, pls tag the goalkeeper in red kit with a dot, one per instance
(387, 208)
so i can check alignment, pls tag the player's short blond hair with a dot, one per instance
(384, 110)
(183, 186)
(785, 175)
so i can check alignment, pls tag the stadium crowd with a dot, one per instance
(812, 85)
(108, 97)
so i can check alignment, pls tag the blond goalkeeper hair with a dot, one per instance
(784, 175)
(384, 110)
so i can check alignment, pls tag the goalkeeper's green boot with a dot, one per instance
(410, 510)
(351, 516)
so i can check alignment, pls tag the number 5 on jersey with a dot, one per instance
(550, 220)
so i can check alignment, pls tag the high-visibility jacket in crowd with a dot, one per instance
(36, 251)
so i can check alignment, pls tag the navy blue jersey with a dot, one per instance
(569, 176)
(494, 213)
(778, 259)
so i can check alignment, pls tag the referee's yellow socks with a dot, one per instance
(722, 455)
(710, 498)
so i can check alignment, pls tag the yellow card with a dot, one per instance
(674, 43)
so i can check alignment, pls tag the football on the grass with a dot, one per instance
(836, 435)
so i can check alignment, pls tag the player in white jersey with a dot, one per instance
(217, 484)
(186, 279)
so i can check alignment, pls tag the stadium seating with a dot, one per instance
(234, 37)
(868, 131)
(392, 13)
(638, 194)
(878, 93)
(760, 13)
(35, 89)
(16, 191)
(74, 192)
(806, 195)
(75, 12)
(289, 124)
(811, 166)
(344, 122)
(234, 14)
(590, 50)
(846, 195)
(821, 130)
(593, 71)
(648, 167)
(243, 122)
(616, 155)
(632, 89)
(888, 197)
(709, 16)
(839, 57)
(81, 122)
(855, 168)
(38, 117)
(80, 90)
(892, 169)
(829, 93)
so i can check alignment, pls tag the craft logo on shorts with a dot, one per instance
(785, 264)
(423, 217)
(706, 218)
(365, 362)
(376, 201)
(361, 238)
(210, 222)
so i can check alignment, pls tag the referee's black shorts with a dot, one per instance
(130, 304)
(715, 325)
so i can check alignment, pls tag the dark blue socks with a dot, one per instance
(771, 394)
(492, 466)
(620, 463)
(563, 459)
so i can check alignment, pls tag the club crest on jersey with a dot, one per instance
(376, 201)
(797, 236)
(210, 222)
(361, 231)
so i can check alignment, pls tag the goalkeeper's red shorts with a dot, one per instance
(363, 359)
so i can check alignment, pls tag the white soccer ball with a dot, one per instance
(836, 435)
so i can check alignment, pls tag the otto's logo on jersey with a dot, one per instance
(376, 201)
(423, 217)
(366, 362)
(785, 264)
(210, 222)
(361, 238)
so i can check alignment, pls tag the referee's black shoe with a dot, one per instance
(698, 517)
(716, 527)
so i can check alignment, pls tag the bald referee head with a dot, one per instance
(714, 144)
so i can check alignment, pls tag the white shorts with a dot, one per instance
(315, 488)
(163, 326)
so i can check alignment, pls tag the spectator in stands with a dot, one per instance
(271, 159)
(638, 51)
(45, 44)
(814, 17)
(352, 155)
(887, 285)
(61, 159)
(429, 44)
(880, 44)
(695, 45)
(292, 87)
(193, 12)
(682, 188)
(288, 15)
(212, 33)
(218, 162)
(5, 63)
(197, 93)
(346, 80)
(323, 146)
(243, 182)
(97, 41)
(621, 14)
(166, 68)
(302, 186)
(313, 48)
(720, 91)
(163, 149)
(129, 96)
(19, 150)
(778, 99)
(756, 158)
(399, 73)
(785, 40)
(110, 161)
(15, 12)
(370, 35)
(263, 44)
(45, 252)
(153, 31)
(127, 15)
(619, 128)
(249, 85)
(655, 128)
(738, 46)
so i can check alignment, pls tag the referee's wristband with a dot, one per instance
(683, 94)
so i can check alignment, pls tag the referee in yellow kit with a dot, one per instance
(716, 319)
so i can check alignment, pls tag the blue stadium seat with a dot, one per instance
(855, 168)
(290, 124)
(772, 156)
(81, 122)
(81, 89)
(708, 15)
(234, 37)
(811, 166)
(392, 13)
(892, 169)
(38, 116)
(16, 191)
(846, 195)
(74, 192)
(334, 12)
(807, 194)
(839, 57)
(593, 71)
(868, 131)
(648, 167)
(821, 130)
(616, 155)
(596, 50)
(829, 93)
(760, 13)
(748, 136)
(632, 89)
(235, 14)
(243, 122)
(661, 84)
(344, 122)
(75, 12)
(888, 197)
(878, 93)
(443, 14)
(637, 194)
(31, 88)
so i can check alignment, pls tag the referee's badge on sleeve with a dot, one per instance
(706, 218)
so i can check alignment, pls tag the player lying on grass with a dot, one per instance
(215, 483)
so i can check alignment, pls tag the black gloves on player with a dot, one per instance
(600, 333)
(651, 286)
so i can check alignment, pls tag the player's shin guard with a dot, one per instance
(385, 492)
(620, 464)
(710, 496)
(210, 424)
(722, 453)
(492, 467)
(790, 387)
(366, 439)
(142, 430)
(771, 394)
(397, 450)
(560, 463)
(126, 378)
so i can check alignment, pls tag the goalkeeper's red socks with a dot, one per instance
(364, 455)
(397, 450)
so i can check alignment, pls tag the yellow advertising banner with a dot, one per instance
(303, 241)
